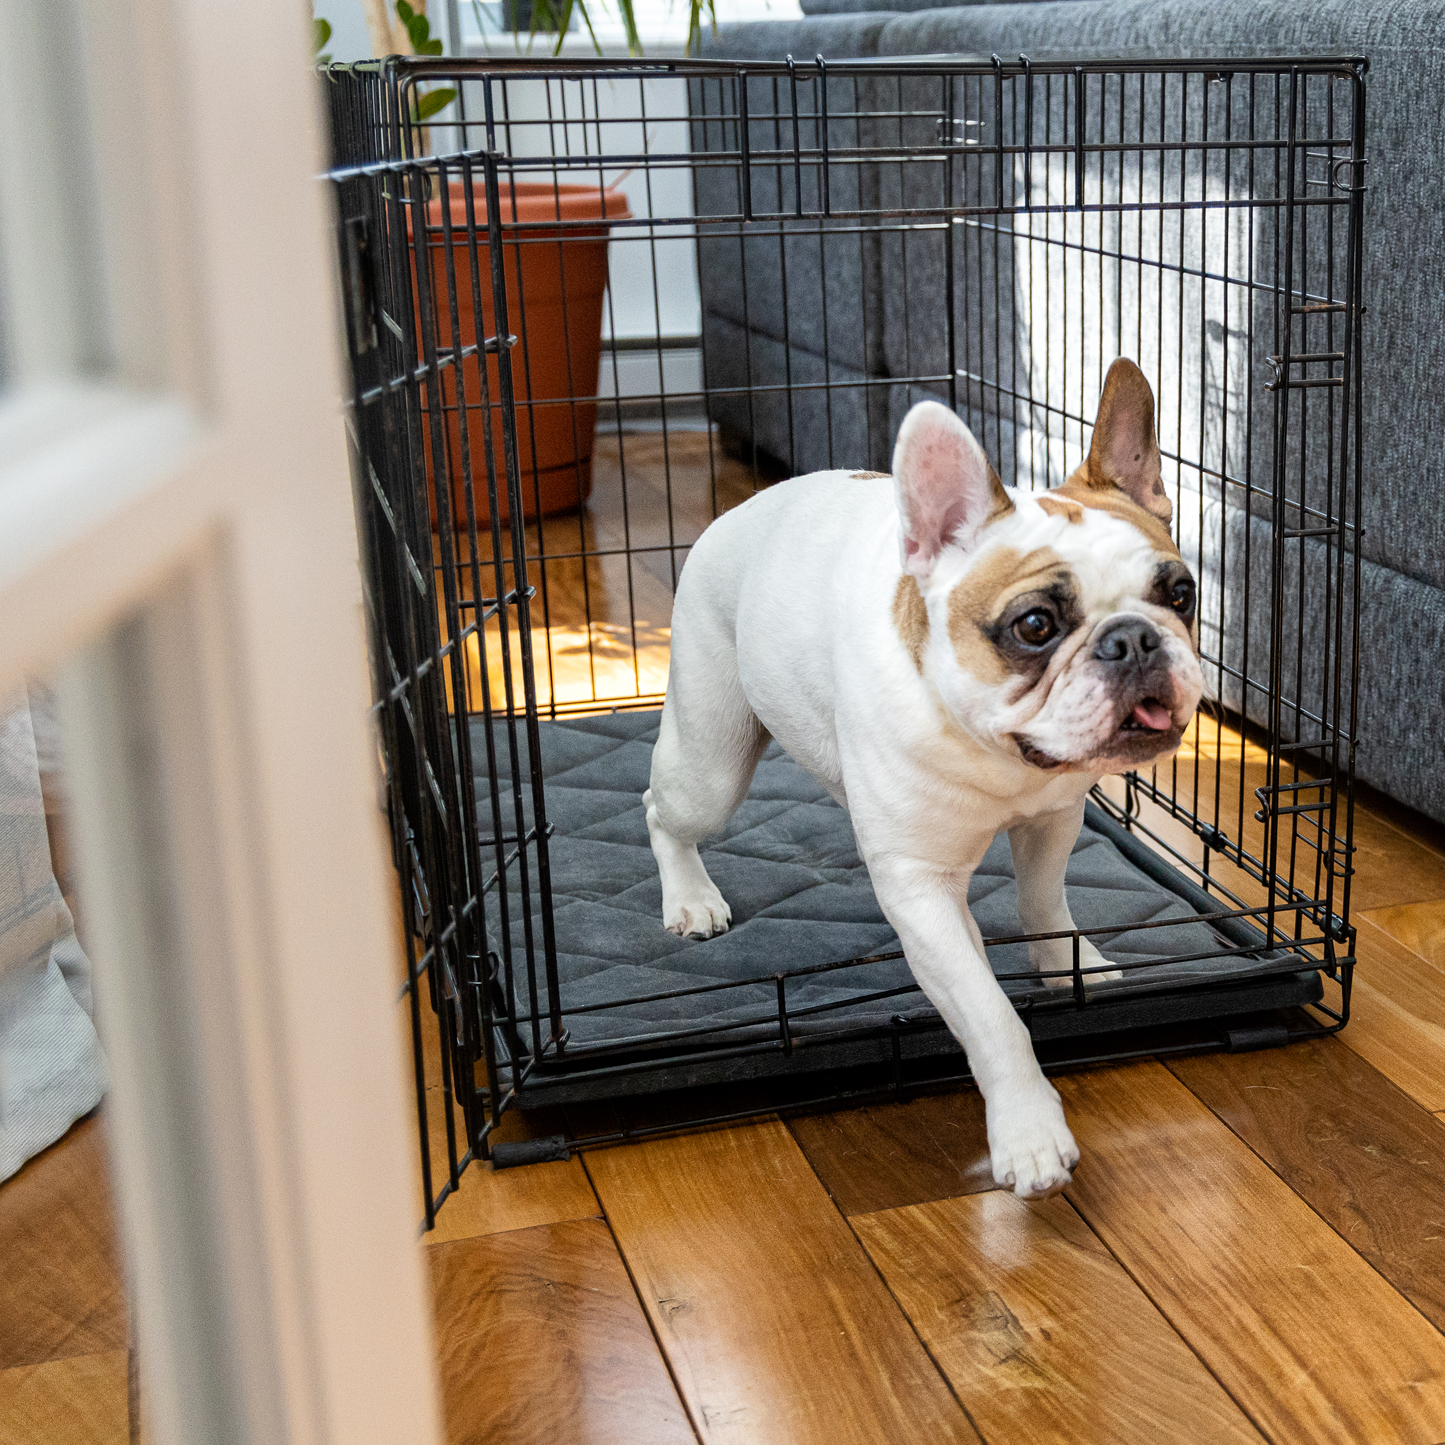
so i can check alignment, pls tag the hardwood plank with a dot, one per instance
(490, 1201)
(61, 1289)
(1368, 1159)
(1045, 1337)
(81, 1400)
(887, 1155)
(1392, 867)
(540, 1337)
(601, 622)
(1419, 926)
(775, 1323)
(1310, 1341)
(1397, 1015)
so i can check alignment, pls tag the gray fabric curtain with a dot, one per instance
(52, 1068)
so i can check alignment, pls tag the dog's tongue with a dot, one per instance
(1151, 714)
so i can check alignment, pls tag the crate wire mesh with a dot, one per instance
(862, 235)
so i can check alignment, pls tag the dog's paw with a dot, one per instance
(1058, 953)
(703, 914)
(1030, 1146)
(1090, 957)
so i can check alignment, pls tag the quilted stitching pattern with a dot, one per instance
(800, 895)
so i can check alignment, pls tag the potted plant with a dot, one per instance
(555, 266)
(556, 275)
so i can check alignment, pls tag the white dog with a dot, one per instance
(948, 658)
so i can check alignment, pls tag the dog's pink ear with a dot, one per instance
(1124, 452)
(947, 492)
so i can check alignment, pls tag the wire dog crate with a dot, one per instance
(591, 305)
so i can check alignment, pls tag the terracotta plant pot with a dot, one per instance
(556, 312)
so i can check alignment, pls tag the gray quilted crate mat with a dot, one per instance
(801, 898)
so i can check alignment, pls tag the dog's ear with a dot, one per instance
(1125, 452)
(947, 492)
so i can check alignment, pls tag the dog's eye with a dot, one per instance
(1181, 597)
(1035, 628)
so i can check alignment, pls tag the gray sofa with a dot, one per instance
(874, 322)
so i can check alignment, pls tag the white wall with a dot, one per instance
(662, 23)
(653, 270)
(349, 37)
(653, 276)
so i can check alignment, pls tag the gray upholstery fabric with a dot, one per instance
(1404, 271)
(837, 37)
(830, 274)
(1203, 408)
(822, 270)
(800, 896)
(1401, 642)
(831, 417)
(860, 7)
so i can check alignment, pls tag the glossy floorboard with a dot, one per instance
(1251, 1249)
(511, 1307)
(1043, 1334)
(1256, 1283)
(777, 1327)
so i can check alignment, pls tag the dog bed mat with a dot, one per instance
(800, 895)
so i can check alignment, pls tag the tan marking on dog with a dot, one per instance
(981, 595)
(1003, 504)
(1059, 507)
(910, 617)
(871, 477)
(1110, 499)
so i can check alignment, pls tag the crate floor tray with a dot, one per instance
(705, 1011)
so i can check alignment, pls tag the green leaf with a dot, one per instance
(564, 23)
(694, 22)
(629, 28)
(418, 30)
(433, 101)
(320, 34)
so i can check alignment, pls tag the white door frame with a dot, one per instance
(176, 536)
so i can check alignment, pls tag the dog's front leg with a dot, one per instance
(1041, 848)
(1030, 1145)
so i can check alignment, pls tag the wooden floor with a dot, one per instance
(1253, 1247)
(603, 578)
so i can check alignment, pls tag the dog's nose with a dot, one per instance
(1130, 640)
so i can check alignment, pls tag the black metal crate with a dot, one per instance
(863, 235)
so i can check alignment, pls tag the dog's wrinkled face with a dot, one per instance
(1060, 627)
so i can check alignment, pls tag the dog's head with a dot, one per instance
(1059, 627)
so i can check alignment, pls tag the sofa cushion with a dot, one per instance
(842, 38)
(1401, 703)
(823, 269)
(837, 416)
(861, 7)
(1404, 271)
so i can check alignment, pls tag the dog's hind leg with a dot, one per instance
(708, 747)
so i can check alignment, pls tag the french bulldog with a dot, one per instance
(949, 658)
